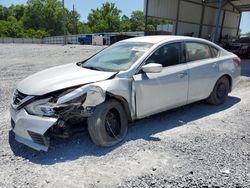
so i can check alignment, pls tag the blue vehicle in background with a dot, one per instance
(87, 39)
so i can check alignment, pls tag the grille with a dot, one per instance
(39, 139)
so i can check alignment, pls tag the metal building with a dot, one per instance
(210, 19)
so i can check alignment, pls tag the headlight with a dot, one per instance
(41, 108)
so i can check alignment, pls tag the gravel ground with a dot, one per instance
(197, 145)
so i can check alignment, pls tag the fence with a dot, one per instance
(70, 39)
(73, 39)
(21, 40)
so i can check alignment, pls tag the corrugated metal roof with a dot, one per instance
(241, 5)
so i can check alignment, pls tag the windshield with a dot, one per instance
(117, 57)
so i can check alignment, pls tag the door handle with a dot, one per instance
(214, 65)
(182, 74)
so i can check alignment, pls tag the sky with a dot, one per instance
(245, 22)
(84, 7)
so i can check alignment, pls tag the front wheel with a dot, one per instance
(108, 125)
(220, 92)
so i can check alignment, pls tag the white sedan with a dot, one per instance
(129, 80)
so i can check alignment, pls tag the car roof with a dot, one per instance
(160, 38)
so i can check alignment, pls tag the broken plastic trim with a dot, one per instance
(94, 96)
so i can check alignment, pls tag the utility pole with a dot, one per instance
(64, 26)
(75, 21)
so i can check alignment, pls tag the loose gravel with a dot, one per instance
(197, 145)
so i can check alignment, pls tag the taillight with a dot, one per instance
(237, 60)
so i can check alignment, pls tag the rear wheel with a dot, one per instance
(108, 125)
(220, 92)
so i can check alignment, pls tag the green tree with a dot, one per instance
(125, 24)
(83, 28)
(11, 28)
(40, 18)
(105, 19)
(151, 27)
(16, 11)
(4, 13)
(44, 15)
(31, 33)
(137, 21)
(73, 22)
(32, 18)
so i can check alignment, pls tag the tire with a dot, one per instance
(220, 92)
(109, 123)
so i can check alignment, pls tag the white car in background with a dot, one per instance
(129, 80)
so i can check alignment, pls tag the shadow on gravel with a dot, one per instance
(80, 145)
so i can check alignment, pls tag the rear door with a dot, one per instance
(203, 70)
(156, 92)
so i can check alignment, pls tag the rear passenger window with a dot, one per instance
(215, 52)
(197, 51)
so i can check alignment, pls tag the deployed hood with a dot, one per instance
(60, 77)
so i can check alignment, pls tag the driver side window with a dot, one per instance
(167, 55)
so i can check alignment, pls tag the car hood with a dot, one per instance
(60, 77)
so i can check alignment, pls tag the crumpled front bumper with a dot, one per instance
(30, 130)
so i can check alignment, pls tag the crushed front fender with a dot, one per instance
(95, 95)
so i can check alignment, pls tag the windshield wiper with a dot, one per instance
(92, 68)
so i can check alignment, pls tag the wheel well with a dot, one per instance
(229, 79)
(122, 101)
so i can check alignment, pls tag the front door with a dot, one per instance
(156, 92)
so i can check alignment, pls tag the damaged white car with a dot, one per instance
(129, 80)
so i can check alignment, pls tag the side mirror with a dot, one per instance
(152, 68)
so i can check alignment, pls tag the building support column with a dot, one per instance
(215, 37)
(177, 17)
(238, 29)
(201, 21)
(146, 19)
(222, 25)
